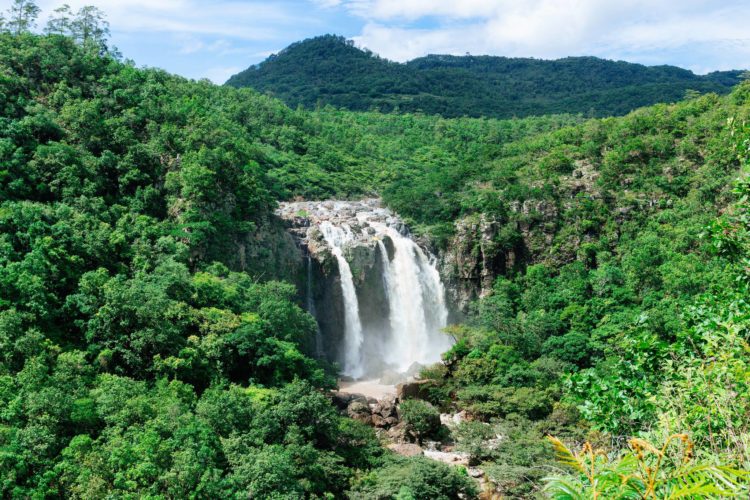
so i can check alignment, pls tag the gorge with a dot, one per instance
(376, 294)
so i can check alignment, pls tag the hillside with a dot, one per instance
(153, 343)
(331, 70)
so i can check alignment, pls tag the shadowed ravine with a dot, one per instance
(387, 305)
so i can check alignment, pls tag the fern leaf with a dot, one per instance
(559, 488)
(698, 490)
(565, 456)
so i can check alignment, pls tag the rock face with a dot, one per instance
(484, 247)
(479, 251)
(268, 247)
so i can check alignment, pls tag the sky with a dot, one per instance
(215, 39)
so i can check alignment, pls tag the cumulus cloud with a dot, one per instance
(194, 37)
(640, 29)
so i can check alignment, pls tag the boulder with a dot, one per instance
(406, 449)
(386, 407)
(385, 412)
(342, 400)
(411, 390)
(360, 411)
(391, 421)
(398, 433)
(379, 421)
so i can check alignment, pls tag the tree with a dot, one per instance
(61, 22)
(22, 16)
(90, 27)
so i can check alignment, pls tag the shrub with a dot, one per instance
(415, 478)
(421, 418)
(472, 437)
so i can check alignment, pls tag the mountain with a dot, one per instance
(331, 70)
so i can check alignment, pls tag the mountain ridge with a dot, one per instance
(331, 70)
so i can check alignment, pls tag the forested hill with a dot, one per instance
(331, 70)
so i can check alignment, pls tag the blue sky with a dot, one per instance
(215, 39)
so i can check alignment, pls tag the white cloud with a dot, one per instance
(255, 20)
(700, 34)
(634, 29)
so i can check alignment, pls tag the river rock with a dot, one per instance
(342, 400)
(452, 419)
(378, 421)
(398, 433)
(386, 407)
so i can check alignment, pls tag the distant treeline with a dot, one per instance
(331, 70)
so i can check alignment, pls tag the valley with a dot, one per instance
(207, 293)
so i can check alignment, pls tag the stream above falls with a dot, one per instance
(375, 292)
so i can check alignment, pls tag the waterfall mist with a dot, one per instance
(391, 298)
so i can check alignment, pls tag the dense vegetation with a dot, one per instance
(133, 362)
(616, 292)
(140, 356)
(331, 70)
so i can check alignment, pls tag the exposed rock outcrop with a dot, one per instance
(484, 248)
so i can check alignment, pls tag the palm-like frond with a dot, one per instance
(566, 457)
(560, 488)
(705, 481)
(644, 472)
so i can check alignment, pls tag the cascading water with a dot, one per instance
(390, 321)
(416, 303)
(337, 238)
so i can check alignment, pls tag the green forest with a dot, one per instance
(140, 357)
(331, 70)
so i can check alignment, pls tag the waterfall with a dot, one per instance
(390, 321)
(416, 303)
(337, 237)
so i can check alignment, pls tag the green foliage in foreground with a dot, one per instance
(644, 471)
(329, 70)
